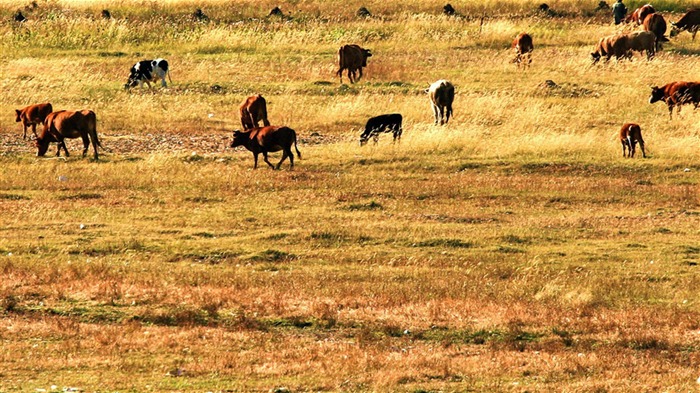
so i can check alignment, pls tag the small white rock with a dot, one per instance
(82, 226)
(211, 115)
(406, 331)
(9, 254)
(62, 178)
(686, 170)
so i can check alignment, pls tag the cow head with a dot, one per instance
(364, 137)
(42, 145)
(675, 29)
(239, 139)
(133, 81)
(595, 56)
(19, 115)
(365, 54)
(657, 94)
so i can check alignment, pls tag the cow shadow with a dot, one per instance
(683, 51)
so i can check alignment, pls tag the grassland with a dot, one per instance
(512, 250)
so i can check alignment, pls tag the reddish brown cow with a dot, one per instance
(66, 124)
(613, 45)
(352, 58)
(657, 25)
(688, 22)
(523, 49)
(640, 14)
(32, 115)
(676, 94)
(268, 139)
(252, 110)
(630, 134)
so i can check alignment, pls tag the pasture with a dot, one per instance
(513, 249)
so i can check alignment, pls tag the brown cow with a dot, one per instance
(641, 41)
(32, 115)
(67, 124)
(676, 94)
(523, 49)
(613, 45)
(657, 25)
(268, 139)
(689, 22)
(442, 94)
(630, 134)
(640, 14)
(352, 58)
(252, 110)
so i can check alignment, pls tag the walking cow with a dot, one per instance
(268, 139)
(384, 123)
(32, 115)
(67, 124)
(253, 110)
(352, 58)
(442, 94)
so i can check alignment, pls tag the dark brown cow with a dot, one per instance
(352, 58)
(32, 115)
(66, 124)
(523, 49)
(253, 110)
(630, 134)
(676, 94)
(640, 14)
(689, 22)
(641, 41)
(657, 25)
(268, 139)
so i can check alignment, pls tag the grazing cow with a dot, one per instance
(657, 25)
(383, 123)
(32, 115)
(640, 14)
(352, 58)
(442, 94)
(66, 124)
(641, 41)
(252, 110)
(605, 48)
(630, 134)
(676, 94)
(523, 49)
(148, 71)
(268, 139)
(689, 22)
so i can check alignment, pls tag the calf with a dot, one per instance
(675, 94)
(630, 134)
(523, 49)
(32, 115)
(383, 123)
(66, 124)
(442, 94)
(252, 110)
(689, 22)
(148, 71)
(268, 139)
(352, 58)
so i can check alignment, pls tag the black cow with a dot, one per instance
(383, 123)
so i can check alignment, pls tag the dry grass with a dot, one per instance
(513, 250)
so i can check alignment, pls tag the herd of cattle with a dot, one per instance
(59, 125)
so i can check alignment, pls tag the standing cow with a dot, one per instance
(253, 110)
(67, 124)
(640, 14)
(630, 134)
(383, 123)
(268, 139)
(32, 115)
(676, 94)
(523, 49)
(689, 22)
(148, 71)
(442, 94)
(352, 58)
(657, 25)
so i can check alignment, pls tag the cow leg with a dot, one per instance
(286, 153)
(436, 114)
(24, 136)
(670, 111)
(448, 110)
(86, 144)
(34, 130)
(623, 149)
(267, 160)
(359, 77)
(375, 137)
(442, 114)
(255, 156)
(641, 146)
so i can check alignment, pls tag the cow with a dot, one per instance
(32, 115)
(657, 25)
(67, 124)
(253, 110)
(630, 134)
(640, 14)
(268, 139)
(442, 94)
(352, 58)
(676, 94)
(641, 41)
(148, 71)
(523, 49)
(689, 22)
(383, 123)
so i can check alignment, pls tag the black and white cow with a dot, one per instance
(148, 71)
(383, 123)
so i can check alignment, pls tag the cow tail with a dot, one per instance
(93, 127)
(169, 78)
(295, 146)
(264, 115)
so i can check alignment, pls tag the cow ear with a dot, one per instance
(18, 112)
(426, 91)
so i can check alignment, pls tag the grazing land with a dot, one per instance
(511, 250)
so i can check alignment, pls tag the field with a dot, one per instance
(512, 250)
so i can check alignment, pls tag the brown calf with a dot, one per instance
(630, 134)
(66, 124)
(252, 110)
(32, 115)
(523, 49)
(352, 58)
(268, 139)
